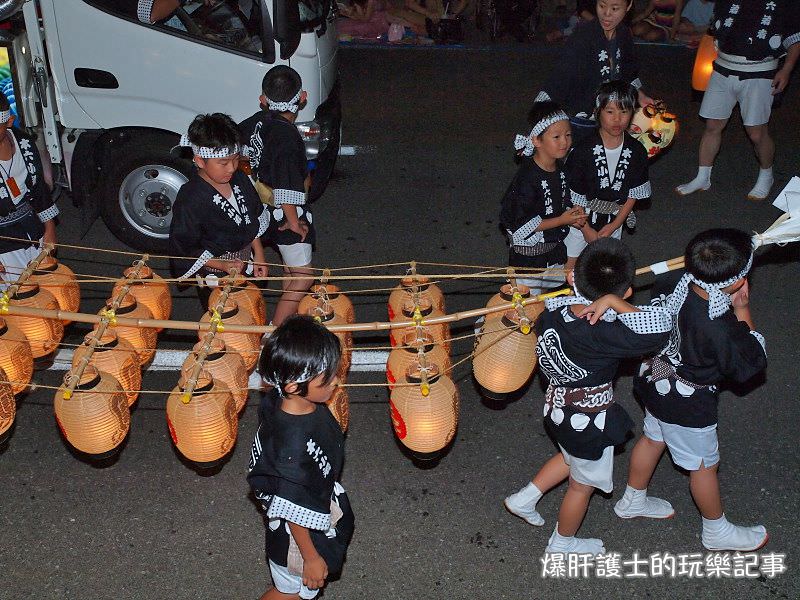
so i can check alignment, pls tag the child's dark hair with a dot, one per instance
(606, 266)
(619, 92)
(4, 103)
(542, 110)
(215, 130)
(281, 83)
(298, 351)
(715, 255)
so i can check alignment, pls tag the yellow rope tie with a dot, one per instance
(216, 321)
(4, 300)
(109, 314)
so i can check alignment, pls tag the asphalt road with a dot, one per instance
(433, 129)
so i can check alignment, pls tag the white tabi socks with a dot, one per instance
(763, 185)
(701, 182)
(523, 504)
(721, 534)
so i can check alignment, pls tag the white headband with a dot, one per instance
(208, 152)
(5, 116)
(291, 106)
(612, 97)
(718, 301)
(525, 144)
(305, 376)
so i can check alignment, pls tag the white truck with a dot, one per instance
(109, 95)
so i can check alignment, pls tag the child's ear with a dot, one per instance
(262, 101)
(290, 388)
(628, 293)
(537, 142)
(200, 162)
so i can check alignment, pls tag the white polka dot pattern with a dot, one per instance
(48, 214)
(280, 508)
(294, 197)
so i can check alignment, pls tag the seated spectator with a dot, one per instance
(416, 14)
(660, 21)
(695, 19)
(362, 19)
(584, 11)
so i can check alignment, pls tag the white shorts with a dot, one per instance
(14, 263)
(295, 255)
(287, 583)
(596, 473)
(724, 91)
(690, 447)
(575, 241)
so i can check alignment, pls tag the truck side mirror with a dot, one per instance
(287, 26)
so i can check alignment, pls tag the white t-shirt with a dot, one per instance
(612, 157)
(15, 168)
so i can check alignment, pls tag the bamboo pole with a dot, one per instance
(32, 266)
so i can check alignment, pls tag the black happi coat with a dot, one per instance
(278, 158)
(589, 178)
(755, 29)
(294, 462)
(573, 353)
(24, 216)
(535, 195)
(703, 351)
(206, 226)
(588, 59)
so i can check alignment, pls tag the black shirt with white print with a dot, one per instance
(295, 461)
(572, 353)
(702, 351)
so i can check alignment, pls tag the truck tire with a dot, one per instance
(139, 189)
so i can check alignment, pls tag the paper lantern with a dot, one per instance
(96, 419)
(15, 356)
(143, 339)
(248, 345)
(326, 316)
(247, 296)
(339, 405)
(154, 292)
(204, 429)
(704, 63)
(115, 356)
(340, 303)
(439, 331)
(405, 292)
(8, 407)
(227, 367)
(504, 356)
(506, 295)
(424, 424)
(654, 127)
(59, 280)
(43, 335)
(406, 354)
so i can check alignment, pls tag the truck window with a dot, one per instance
(234, 24)
(313, 13)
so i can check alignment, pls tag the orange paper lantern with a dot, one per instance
(405, 292)
(339, 405)
(439, 331)
(340, 303)
(8, 407)
(96, 419)
(704, 63)
(44, 335)
(424, 424)
(326, 316)
(153, 292)
(143, 339)
(247, 295)
(505, 358)
(506, 295)
(15, 356)
(204, 429)
(246, 344)
(59, 280)
(406, 354)
(115, 356)
(227, 367)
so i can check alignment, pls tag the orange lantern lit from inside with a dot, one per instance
(404, 356)
(319, 293)
(15, 356)
(43, 335)
(203, 429)
(247, 296)
(96, 418)
(327, 317)
(505, 357)
(59, 280)
(152, 291)
(248, 345)
(439, 331)
(227, 367)
(8, 407)
(339, 405)
(143, 339)
(425, 424)
(506, 295)
(115, 356)
(405, 291)
(704, 63)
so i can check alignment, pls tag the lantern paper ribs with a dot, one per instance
(15, 356)
(8, 407)
(505, 355)
(59, 280)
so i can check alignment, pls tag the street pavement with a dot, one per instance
(433, 132)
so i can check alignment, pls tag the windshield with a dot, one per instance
(312, 13)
